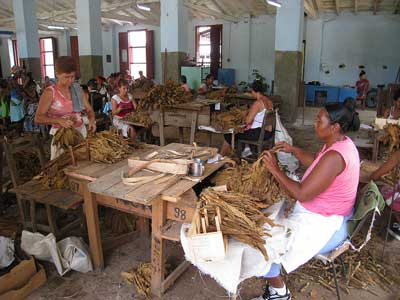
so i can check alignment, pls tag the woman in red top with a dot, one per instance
(123, 104)
(61, 105)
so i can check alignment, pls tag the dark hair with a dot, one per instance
(65, 64)
(362, 73)
(396, 95)
(123, 82)
(258, 86)
(92, 83)
(85, 88)
(209, 76)
(183, 79)
(345, 115)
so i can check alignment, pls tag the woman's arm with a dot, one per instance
(305, 158)
(90, 112)
(387, 167)
(320, 178)
(386, 113)
(114, 107)
(41, 116)
(254, 109)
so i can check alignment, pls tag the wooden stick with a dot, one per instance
(71, 152)
(87, 150)
(206, 217)
(219, 214)
(217, 223)
(203, 225)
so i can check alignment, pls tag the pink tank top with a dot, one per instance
(340, 196)
(62, 107)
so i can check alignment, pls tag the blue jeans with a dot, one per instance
(336, 240)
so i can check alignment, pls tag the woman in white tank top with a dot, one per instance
(254, 119)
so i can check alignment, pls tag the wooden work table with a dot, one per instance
(186, 115)
(168, 207)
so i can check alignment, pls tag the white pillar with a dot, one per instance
(313, 50)
(174, 25)
(27, 35)
(88, 16)
(64, 43)
(5, 57)
(288, 55)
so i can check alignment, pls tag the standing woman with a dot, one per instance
(254, 120)
(122, 104)
(61, 105)
(362, 87)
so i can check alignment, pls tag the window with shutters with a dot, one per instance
(137, 56)
(47, 56)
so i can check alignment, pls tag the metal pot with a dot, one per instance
(196, 168)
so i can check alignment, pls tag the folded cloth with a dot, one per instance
(77, 97)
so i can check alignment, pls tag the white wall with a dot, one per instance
(246, 45)
(365, 39)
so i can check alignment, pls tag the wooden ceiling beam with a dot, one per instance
(337, 6)
(320, 6)
(375, 9)
(211, 13)
(355, 6)
(309, 9)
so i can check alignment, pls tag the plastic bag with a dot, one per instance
(281, 135)
(6, 252)
(68, 254)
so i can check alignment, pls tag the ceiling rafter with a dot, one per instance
(337, 6)
(355, 6)
(309, 9)
(211, 13)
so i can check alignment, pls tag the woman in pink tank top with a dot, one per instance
(56, 105)
(326, 193)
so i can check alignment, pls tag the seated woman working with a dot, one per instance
(393, 112)
(61, 104)
(122, 104)
(254, 120)
(206, 86)
(325, 195)
(387, 191)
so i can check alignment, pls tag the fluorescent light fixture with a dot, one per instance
(55, 27)
(146, 8)
(274, 3)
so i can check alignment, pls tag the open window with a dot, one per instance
(47, 56)
(209, 47)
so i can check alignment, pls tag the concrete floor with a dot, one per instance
(108, 285)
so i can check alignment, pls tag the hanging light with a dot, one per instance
(274, 3)
(142, 7)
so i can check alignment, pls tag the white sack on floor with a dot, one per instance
(68, 254)
(6, 251)
(281, 135)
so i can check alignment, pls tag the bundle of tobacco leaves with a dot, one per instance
(254, 180)
(104, 147)
(27, 164)
(140, 278)
(119, 222)
(391, 136)
(239, 214)
(168, 94)
(66, 137)
(139, 117)
(144, 84)
(234, 118)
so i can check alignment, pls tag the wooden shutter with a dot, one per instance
(75, 54)
(42, 57)
(123, 46)
(216, 38)
(150, 54)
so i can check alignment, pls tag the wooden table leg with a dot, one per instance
(32, 208)
(161, 128)
(375, 149)
(92, 221)
(51, 219)
(157, 246)
(143, 226)
(193, 127)
(180, 135)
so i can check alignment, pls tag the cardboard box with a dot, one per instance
(22, 280)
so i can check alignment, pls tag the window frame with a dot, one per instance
(43, 52)
(130, 50)
(197, 45)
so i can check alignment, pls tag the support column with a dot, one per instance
(64, 44)
(88, 16)
(174, 24)
(288, 55)
(27, 35)
(5, 57)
